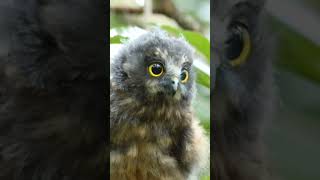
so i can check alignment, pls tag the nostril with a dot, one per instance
(173, 82)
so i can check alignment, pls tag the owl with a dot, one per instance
(242, 95)
(154, 134)
(52, 87)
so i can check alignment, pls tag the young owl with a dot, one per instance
(154, 134)
(242, 94)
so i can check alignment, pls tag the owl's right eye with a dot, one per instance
(156, 69)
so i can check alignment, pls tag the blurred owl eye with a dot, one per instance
(184, 76)
(238, 45)
(155, 69)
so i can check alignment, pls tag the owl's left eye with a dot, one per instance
(156, 69)
(238, 45)
(184, 76)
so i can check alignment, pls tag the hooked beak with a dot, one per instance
(173, 87)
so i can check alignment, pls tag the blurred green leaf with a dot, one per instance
(199, 42)
(203, 78)
(296, 53)
(117, 39)
(205, 178)
(116, 21)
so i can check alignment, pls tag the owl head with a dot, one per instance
(155, 67)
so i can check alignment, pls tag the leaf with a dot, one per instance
(117, 21)
(199, 42)
(205, 178)
(297, 54)
(117, 39)
(202, 78)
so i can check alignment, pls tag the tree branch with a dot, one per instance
(165, 7)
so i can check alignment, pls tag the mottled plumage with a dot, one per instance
(154, 134)
(242, 94)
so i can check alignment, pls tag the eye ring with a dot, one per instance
(238, 45)
(155, 69)
(184, 76)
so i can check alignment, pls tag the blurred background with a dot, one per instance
(188, 18)
(293, 136)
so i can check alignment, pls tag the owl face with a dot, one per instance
(156, 66)
(167, 75)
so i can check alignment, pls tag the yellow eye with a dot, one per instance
(155, 69)
(238, 46)
(184, 76)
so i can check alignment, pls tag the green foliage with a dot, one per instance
(205, 178)
(203, 78)
(199, 42)
(117, 39)
(297, 54)
(116, 21)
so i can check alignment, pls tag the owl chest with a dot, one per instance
(144, 155)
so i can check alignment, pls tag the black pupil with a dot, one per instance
(234, 44)
(156, 69)
(183, 76)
